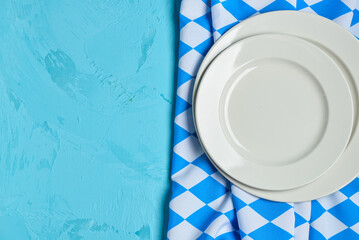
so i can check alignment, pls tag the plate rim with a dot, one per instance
(290, 169)
(306, 192)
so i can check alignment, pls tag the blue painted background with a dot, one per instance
(85, 118)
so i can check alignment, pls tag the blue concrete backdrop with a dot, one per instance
(86, 98)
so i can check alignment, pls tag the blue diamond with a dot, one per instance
(205, 21)
(181, 106)
(203, 163)
(355, 19)
(239, 9)
(174, 219)
(270, 230)
(180, 134)
(351, 188)
(204, 46)
(299, 220)
(316, 211)
(205, 236)
(238, 203)
(178, 163)
(347, 212)
(206, 213)
(330, 8)
(183, 49)
(207, 2)
(177, 189)
(229, 236)
(183, 77)
(346, 234)
(277, 5)
(268, 209)
(208, 190)
(183, 20)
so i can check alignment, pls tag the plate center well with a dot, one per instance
(273, 111)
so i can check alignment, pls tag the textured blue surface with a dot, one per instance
(85, 119)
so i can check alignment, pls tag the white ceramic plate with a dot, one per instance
(273, 111)
(343, 48)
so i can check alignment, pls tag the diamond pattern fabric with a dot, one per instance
(204, 204)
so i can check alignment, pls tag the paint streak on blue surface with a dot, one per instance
(85, 118)
(146, 45)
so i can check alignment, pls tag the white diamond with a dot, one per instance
(311, 2)
(244, 196)
(247, 238)
(328, 225)
(355, 198)
(301, 232)
(249, 220)
(185, 91)
(193, 9)
(308, 10)
(221, 17)
(186, 204)
(355, 30)
(219, 226)
(190, 62)
(286, 221)
(258, 5)
(344, 20)
(216, 35)
(332, 200)
(355, 228)
(292, 2)
(185, 120)
(183, 231)
(194, 34)
(303, 209)
(223, 204)
(189, 176)
(189, 149)
(352, 4)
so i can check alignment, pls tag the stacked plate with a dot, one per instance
(275, 106)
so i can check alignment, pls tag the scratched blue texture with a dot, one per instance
(85, 118)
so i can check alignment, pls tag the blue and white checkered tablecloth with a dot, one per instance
(204, 204)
